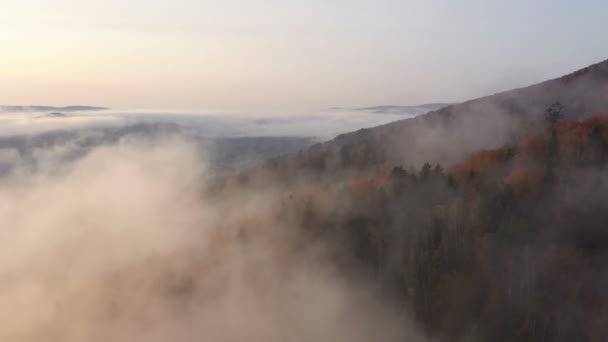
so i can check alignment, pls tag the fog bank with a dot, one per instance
(121, 245)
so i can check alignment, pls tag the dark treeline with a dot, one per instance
(509, 245)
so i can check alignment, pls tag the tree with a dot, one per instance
(425, 172)
(552, 114)
(598, 147)
(438, 170)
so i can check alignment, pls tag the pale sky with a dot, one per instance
(296, 55)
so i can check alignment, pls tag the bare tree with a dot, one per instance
(554, 113)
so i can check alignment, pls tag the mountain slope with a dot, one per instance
(450, 134)
(508, 245)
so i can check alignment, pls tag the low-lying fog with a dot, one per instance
(31, 138)
(107, 236)
(322, 125)
(122, 245)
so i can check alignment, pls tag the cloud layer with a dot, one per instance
(123, 245)
(324, 124)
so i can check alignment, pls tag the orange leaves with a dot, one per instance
(534, 146)
(484, 162)
(574, 138)
(361, 183)
(525, 179)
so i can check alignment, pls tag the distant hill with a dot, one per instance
(53, 115)
(225, 155)
(406, 110)
(232, 155)
(50, 109)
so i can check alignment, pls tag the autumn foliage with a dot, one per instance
(508, 245)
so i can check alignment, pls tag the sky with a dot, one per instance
(241, 55)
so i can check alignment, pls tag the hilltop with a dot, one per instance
(450, 134)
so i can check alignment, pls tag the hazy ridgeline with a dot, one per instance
(123, 245)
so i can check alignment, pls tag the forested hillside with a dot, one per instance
(485, 221)
(510, 244)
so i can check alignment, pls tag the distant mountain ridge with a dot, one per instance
(53, 115)
(50, 109)
(398, 109)
(395, 109)
(224, 155)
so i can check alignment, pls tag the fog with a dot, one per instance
(123, 245)
(322, 124)
(232, 141)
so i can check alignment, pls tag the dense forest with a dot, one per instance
(508, 245)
